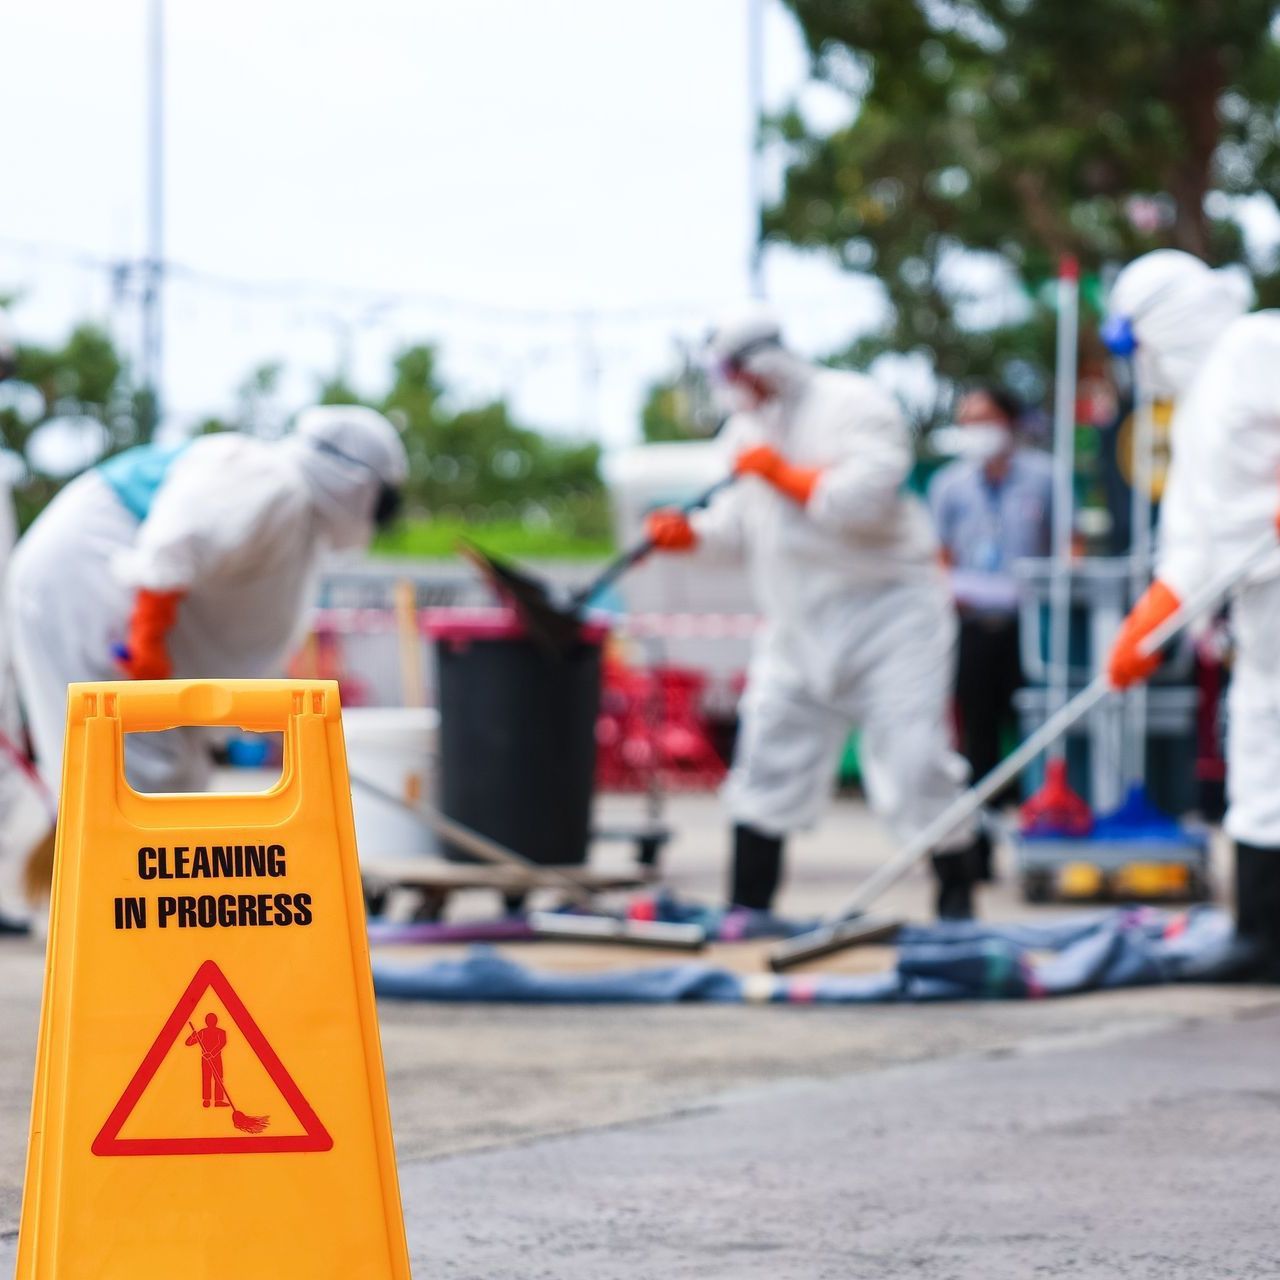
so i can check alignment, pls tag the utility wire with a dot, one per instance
(364, 296)
(293, 290)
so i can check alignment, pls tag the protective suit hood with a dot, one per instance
(1177, 307)
(347, 453)
(750, 338)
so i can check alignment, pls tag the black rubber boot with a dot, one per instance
(983, 858)
(954, 872)
(1258, 909)
(757, 868)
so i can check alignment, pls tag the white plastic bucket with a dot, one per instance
(394, 748)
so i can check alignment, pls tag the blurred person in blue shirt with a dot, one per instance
(992, 508)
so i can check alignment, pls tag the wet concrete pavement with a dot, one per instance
(1148, 1156)
(1122, 1134)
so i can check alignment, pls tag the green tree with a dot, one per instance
(257, 411)
(477, 463)
(84, 378)
(413, 402)
(1018, 131)
(472, 463)
(680, 406)
(665, 413)
(337, 390)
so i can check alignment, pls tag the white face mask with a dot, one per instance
(978, 441)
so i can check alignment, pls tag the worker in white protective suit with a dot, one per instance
(859, 627)
(26, 809)
(194, 560)
(1185, 327)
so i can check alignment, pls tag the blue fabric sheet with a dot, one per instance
(484, 975)
(947, 961)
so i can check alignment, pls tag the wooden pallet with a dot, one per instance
(434, 880)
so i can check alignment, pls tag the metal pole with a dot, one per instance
(755, 156)
(1064, 450)
(153, 267)
(1134, 741)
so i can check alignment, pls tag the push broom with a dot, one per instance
(245, 1123)
(554, 622)
(849, 926)
(591, 927)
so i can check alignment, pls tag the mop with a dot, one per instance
(1056, 810)
(554, 622)
(591, 927)
(845, 928)
(245, 1123)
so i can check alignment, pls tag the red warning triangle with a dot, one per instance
(315, 1137)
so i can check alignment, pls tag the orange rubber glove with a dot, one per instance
(145, 655)
(798, 483)
(670, 530)
(1127, 666)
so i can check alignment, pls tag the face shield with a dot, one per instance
(731, 393)
(737, 386)
(736, 381)
(387, 504)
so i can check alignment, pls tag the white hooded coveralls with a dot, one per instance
(1222, 492)
(25, 808)
(239, 525)
(859, 628)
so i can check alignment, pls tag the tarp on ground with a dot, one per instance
(957, 960)
(720, 924)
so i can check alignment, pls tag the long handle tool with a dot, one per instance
(844, 929)
(553, 622)
(635, 933)
(642, 549)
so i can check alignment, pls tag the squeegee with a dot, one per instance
(552, 619)
(590, 928)
(847, 928)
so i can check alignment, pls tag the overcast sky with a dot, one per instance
(497, 167)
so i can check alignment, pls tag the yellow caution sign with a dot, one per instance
(209, 1097)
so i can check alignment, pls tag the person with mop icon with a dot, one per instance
(211, 1041)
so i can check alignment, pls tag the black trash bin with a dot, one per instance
(517, 733)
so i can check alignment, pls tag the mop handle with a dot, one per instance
(633, 555)
(481, 846)
(967, 804)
